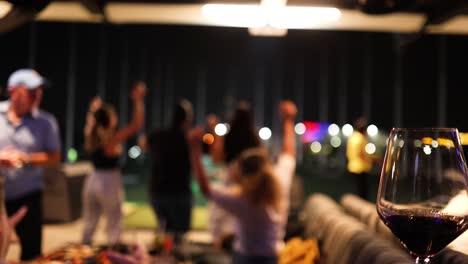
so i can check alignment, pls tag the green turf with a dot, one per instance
(141, 216)
(315, 178)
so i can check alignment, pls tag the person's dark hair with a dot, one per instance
(102, 119)
(182, 112)
(360, 124)
(242, 134)
(102, 116)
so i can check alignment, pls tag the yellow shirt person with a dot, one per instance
(358, 160)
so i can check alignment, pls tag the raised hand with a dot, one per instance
(139, 91)
(287, 110)
(211, 121)
(195, 136)
(95, 104)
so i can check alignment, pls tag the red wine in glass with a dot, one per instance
(422, 195)
(425, 236)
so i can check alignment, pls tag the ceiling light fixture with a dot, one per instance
(5, 7)
(268, 31)
(236, 15)
(274, 16)
(297, 17)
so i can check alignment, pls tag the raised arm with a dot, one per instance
(217, 148)
(94, 105)
(288, 112)
(138, 116)
(195, 139)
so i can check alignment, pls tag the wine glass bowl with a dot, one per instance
(422, 194)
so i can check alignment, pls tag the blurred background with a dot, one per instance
(397, 63)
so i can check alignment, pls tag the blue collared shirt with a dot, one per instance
(36, 133)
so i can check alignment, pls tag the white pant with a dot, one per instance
(102, 194)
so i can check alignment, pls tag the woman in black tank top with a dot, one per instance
(101, 161)
(103, 192)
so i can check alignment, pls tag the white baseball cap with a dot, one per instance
(30, 78)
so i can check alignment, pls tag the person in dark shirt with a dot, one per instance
(170, 191)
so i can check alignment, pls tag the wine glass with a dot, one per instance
(422, 193)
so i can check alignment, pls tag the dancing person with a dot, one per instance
(241, 136)
(225, 150)
(170, 191)
(103, 191)
(256, 199)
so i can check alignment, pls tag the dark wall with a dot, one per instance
(334, 76)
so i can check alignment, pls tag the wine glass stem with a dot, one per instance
(422, 260)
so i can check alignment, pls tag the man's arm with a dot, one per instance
(42, 159)
(12, 158)
(51, 156)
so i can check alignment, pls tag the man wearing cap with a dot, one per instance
(28, 142)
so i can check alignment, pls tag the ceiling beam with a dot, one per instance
(191, 14)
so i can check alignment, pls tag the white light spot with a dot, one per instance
(221, 129)
(347, 130)
(300, 128)
(134, 152)
(372, 130)
(264, 133)
(417, 143)
(370, 148)
(401, 143)
(427, 150)
(435, 144)
(333, 129)
(335, 142)
(315, 147)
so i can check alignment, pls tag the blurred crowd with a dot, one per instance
(249, 206)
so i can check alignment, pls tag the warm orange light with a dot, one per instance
(208, 139)
(5, 7)
(427, 140)
(446, 142)
(464, 138)
(441, 142)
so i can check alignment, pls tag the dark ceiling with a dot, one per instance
(436, 11)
